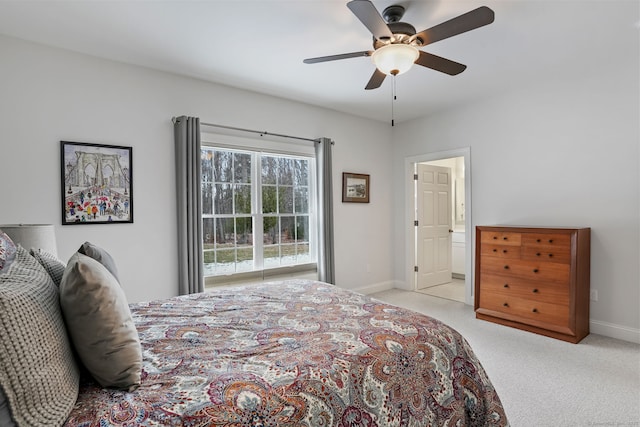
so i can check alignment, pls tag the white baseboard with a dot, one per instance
(405, 286)
(376, 287)
(611, 330)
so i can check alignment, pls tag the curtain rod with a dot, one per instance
(262, 133)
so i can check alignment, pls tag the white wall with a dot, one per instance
(557, 153)
(49, 95)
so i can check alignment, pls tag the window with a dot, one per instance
(257, 210)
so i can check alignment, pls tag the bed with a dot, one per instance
(292, 353)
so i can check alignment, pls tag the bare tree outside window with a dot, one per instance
(282, 185)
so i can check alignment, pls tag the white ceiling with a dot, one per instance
(259, 45)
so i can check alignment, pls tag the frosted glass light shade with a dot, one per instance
(37, 236)
(395, 58)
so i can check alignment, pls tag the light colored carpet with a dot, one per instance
(543, 381)
(453, 290)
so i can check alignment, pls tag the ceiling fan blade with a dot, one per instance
(367, 13)
(461, 24)
(336, 57)
(376, 80)
(440, 64)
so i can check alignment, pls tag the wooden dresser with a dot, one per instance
(535, 279)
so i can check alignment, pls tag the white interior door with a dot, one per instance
(433, 213)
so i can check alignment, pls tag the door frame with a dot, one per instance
(469, 235)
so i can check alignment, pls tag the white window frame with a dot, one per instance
(277, 148)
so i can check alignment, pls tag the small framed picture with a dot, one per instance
(96, 183)
(355, 188)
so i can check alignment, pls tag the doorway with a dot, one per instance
(439, 237)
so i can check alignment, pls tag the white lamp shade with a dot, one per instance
(395, 58)
(37, 236)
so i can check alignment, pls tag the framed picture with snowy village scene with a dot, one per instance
(97, 183)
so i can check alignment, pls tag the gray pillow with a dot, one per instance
(5, 414)
(51, 264)
(99, 321)
(38, 374)
(100, 255)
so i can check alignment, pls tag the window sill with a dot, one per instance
(302, 271)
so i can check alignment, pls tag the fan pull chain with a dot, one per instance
(393, 100)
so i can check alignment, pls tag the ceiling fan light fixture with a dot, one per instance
(394, 59)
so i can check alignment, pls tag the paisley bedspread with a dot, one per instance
(294, 353)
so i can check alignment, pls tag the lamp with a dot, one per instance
(38, 236)
(395, 58)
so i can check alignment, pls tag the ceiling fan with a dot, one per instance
(397, 45)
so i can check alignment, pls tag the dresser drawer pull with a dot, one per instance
(550, 255)
(495, 238)
(535, 291)
(506, 285)
(506, 267)
(535, 270)
(535, 310)
(538, 240)
(505, 304)
(504, 251)
(495, 250)
(538, 254)
(504, 238)
(550, 240)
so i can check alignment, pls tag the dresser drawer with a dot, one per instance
(526, 310)
(547, 254)
(551, 240)
(502, 237)
(531, 270)
(549, 292)
(500, 251)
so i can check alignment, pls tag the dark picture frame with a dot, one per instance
(355, 188)
(97, 183)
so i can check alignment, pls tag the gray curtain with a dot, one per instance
(326, 266)
(187, 140)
